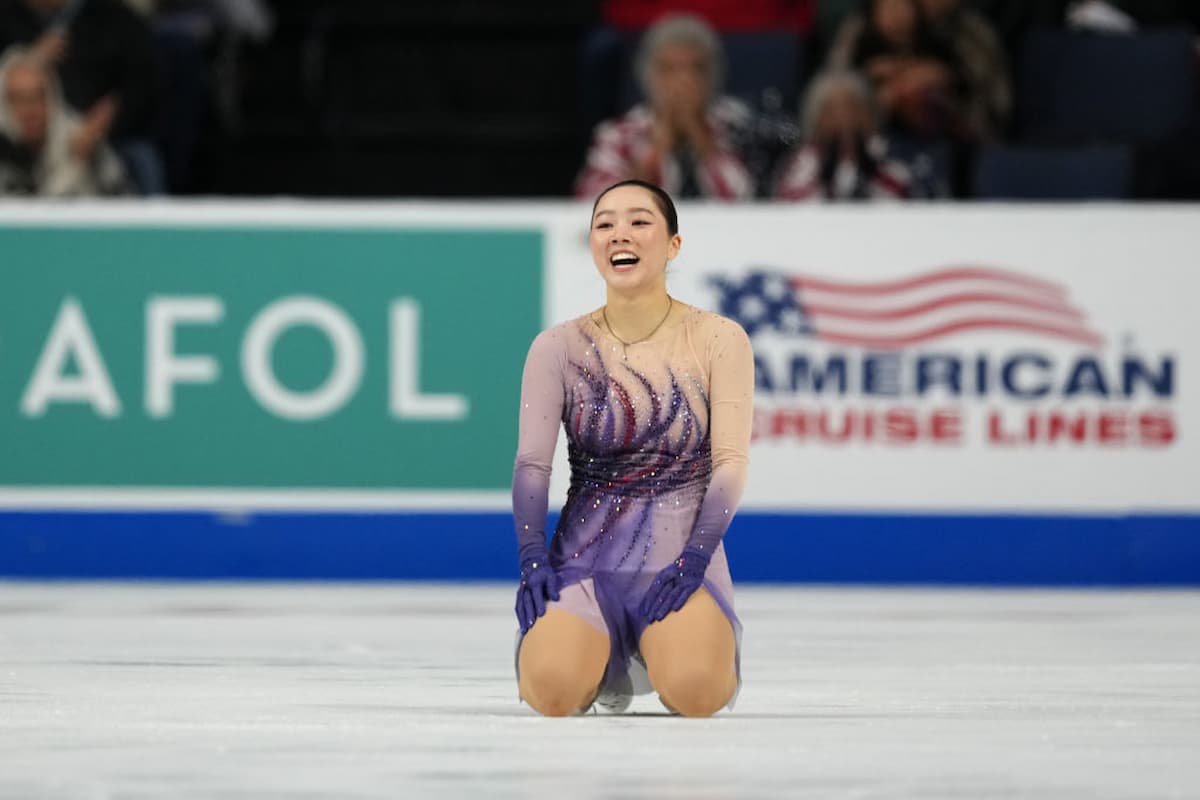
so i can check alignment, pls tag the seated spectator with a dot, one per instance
(103, 54)
(45, 148)
(1126, 16)
(916, 75)
(987, 101)
(685, 137)
(843, 156)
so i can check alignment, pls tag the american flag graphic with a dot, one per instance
(888, 315)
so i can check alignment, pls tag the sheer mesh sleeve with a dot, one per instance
(731, 400)
(542, 398)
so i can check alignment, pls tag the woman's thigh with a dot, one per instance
(690, 656)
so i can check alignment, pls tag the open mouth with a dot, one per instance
(623, 259)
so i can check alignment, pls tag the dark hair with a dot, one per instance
(661, 199)
(926, 41)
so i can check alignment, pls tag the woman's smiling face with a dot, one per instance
(630, 241)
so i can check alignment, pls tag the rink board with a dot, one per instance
(960, 394)
(951, 549)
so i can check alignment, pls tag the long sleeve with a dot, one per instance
(542, 399)
(610, 157)
(731, 401)
(800, 180)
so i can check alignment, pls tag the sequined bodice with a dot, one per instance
(641, 452)
(630, 435)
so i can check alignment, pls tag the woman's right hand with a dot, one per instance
(539, 584)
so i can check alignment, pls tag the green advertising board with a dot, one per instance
(264, 357)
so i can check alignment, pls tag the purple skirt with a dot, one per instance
(608, 601)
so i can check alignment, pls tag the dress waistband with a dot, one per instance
(639, 473)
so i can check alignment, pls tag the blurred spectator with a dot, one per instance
(685, 137)
(988, 97)
(843, 156)
(724, 15)
(1125, 16)
(45, 148)
(103, 54)
(1099, 16)
(916, 74)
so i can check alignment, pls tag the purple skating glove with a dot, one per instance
(674, 585)
(539, 583)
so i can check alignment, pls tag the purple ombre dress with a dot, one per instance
(658, 434)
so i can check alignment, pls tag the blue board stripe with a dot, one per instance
(1029, 550)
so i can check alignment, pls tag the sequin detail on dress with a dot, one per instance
(648, 472)
(629, 444)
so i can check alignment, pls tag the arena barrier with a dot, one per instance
(971, 394)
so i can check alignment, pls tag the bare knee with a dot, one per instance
(694, 690)
(553, 689)
(560, 664)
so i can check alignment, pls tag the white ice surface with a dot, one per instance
(128, 691)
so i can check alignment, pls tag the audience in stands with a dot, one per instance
(918, 78)
(685, 137)
(987, 102)
(45, 148)
(98, 99)
(1126, 16)
(843, 156)
(103, 55)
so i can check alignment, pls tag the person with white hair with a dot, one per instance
(684, 136)
(843, 156)
(45, 147)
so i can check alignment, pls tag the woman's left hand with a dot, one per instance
(672, 587)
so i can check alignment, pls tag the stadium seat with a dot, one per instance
(1083, 88)
(1094, 173)
(764, 68)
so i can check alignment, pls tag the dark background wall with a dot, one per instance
(445, 98)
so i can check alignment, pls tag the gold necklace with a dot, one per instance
(625, 344)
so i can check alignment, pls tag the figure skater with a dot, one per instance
(656, 398)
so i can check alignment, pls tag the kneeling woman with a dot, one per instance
(656, 398)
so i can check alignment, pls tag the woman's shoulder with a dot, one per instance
(715, 328)
(560, 337)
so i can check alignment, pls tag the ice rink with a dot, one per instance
(132, 691)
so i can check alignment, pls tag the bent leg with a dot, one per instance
(690, 657)
(561, 663)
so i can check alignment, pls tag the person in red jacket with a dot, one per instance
(843, 157)
(725, 15)
(685, 137)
